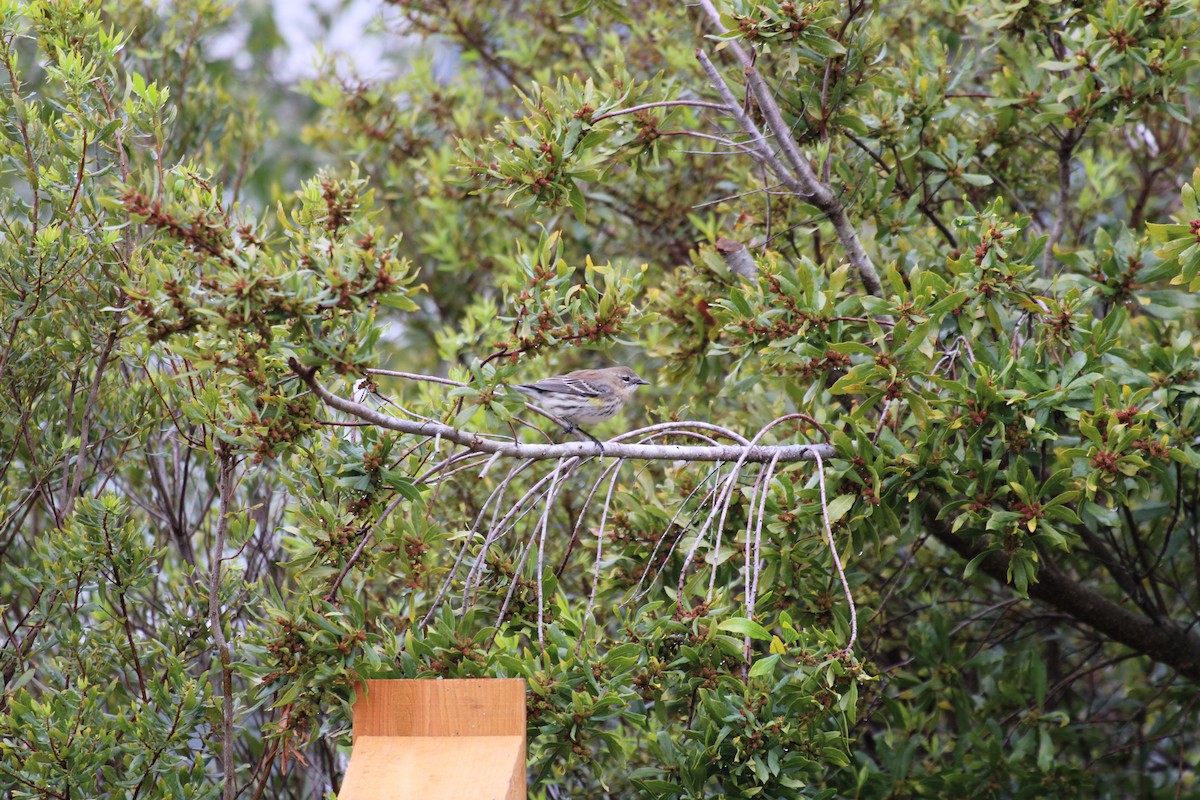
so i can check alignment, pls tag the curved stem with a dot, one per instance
(837, 561)
(743, 454)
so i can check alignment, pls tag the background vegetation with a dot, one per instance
(975, 247)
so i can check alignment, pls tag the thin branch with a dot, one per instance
(681, 429)
(742, 147)
(724, 499)
(638, 593)
(543, 522)
(756, 454)
(754, 545)
(413, 376)
(578, 526)
(507, 522)
(496, 495)
(660, 104)
(766, 189)
(225, 479)
(362, 545)
(800, 178)
(615, 470)
(1165, 642)
(762, 153)
(762, 511)
(837, 561)
(541, 563)
(720, 492)
(923, 206)
(126, 619)
(85, 422)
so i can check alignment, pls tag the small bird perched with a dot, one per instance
(585, 396)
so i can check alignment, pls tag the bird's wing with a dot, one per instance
(572, 386)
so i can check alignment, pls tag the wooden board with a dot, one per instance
(484, 707)
(436, 768)
(438, 740)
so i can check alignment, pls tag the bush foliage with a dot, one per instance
(970, 250)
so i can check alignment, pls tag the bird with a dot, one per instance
(584, 397)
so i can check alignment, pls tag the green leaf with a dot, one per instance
(578, 204)
(764, 667)
(974, 564)
(745, 627)
(839, 506)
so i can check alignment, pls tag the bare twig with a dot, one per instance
(768, 190)
(754, 454)
(362, 545)
(905, 193)
(762, 153)
(496, 495)
(754, 552)
(720, 491)
(798, 174)
(520, 566)
(723, 500)
(614, 470)
(754, 573)
(514, 515)
(224, 510)
(637, 591)
(837, 561)
(541, 562)
(413, 376)
(660, 104)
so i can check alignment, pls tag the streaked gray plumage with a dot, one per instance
(585, 396)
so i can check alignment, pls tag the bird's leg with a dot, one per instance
(572, 428)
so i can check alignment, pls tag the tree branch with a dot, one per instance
(1066, 149)
(225, 481)
(1165, 642)
(762, 153)
(331, 595)
(660, 104)
(85, 423)
(800, 178)
(758, 454)
(904, 191)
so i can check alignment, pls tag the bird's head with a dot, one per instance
(629, 377)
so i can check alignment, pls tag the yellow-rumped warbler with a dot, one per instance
(584, 396)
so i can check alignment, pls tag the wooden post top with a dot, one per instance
(445, 739)
(461, 707)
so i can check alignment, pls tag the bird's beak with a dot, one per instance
(642, 382)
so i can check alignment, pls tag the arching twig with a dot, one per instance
(541, 562)
(514, 515)
(515, 582)
(754, 539)
(837, 561)
(496, 493)
(753, 570)
(756, 454)
(614, 470)
(726, 497)
(637, 591)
